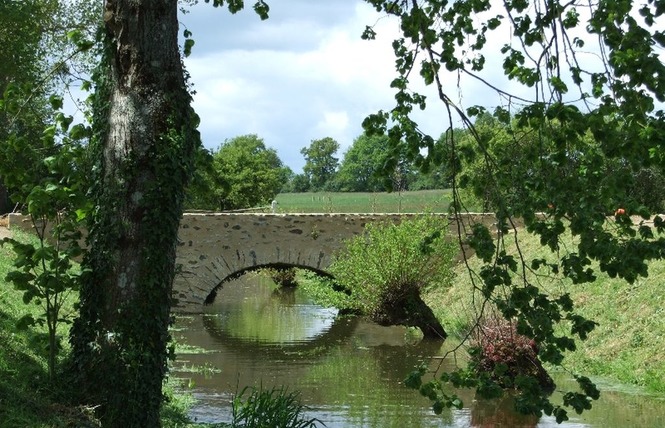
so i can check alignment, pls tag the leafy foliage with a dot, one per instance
(381, 273)
(367, 167)
(587, 129)
(282, 276)
(276, 407)
(248, 174)
(359, 167)
(45, 272)
(320, 163)
(46, 46)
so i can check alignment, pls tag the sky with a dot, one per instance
(303, 74)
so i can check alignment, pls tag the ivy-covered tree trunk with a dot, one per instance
(3, 198)
(144, 144)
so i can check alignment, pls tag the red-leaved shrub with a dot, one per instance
(504, 354)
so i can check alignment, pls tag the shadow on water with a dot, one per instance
(349, 371)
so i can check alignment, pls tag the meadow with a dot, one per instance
(434, 201)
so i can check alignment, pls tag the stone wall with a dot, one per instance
(215, 247)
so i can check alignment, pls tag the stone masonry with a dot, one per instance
(215, 247)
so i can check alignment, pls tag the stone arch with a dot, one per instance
(214, 247)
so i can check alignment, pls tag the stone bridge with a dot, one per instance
(213, 248)
(216, 247)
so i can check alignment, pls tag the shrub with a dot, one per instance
(505, 355)
(391, 261)
(274, 408)
(381, 273)
(282, 276)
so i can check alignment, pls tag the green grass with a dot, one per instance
(26, 397)
(435, 201)
(627, 346)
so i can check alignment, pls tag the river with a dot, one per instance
(349, 372)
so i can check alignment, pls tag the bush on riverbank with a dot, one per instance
(382, 273)
(27, 398)
(500, 351)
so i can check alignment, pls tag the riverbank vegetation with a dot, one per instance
(33, 396)
(626, 345)
(382, 273)
(27, 397)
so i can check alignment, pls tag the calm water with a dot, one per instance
(349, 371)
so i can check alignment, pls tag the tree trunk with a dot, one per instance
(411, 311)
(3, 198)
(144, 146)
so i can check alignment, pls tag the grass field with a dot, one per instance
(435, 201)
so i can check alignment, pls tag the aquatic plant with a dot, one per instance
(275, 408)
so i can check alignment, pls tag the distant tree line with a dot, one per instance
(365, 167)
(243, 172)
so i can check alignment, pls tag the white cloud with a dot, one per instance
(291, 79)
(305, 74)
(333, 123)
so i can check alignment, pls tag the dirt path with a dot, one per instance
(4, 232)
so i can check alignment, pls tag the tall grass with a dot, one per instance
(275, 408)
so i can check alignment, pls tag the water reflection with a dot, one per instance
(349, 371)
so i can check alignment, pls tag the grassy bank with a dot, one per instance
(27, 398)
(330, 202)
(628, 344)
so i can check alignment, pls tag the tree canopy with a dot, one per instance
(320, 162)
(251, 173)
(359, 169)
(43, 47)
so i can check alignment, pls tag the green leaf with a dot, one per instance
(189, 43)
